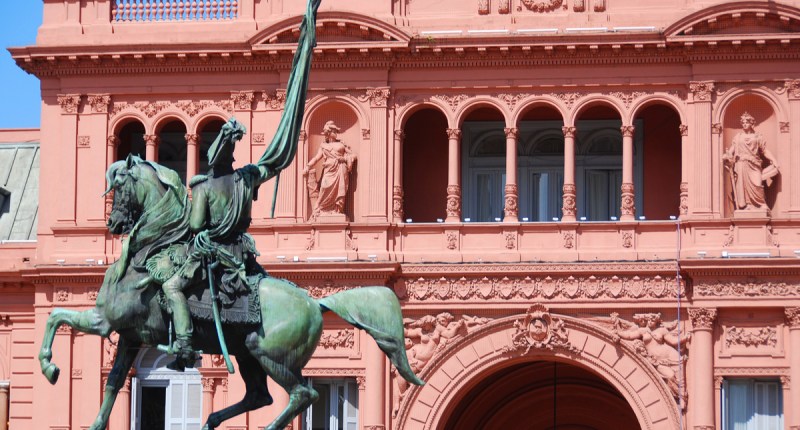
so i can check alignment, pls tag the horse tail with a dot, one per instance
(376, 310)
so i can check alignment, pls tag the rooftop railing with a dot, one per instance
(174, 10)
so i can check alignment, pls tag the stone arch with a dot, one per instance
(367, 29)
(593, 348)
(123, 119)
(592, 100)
(477, 103)
(540, 101)
(686, 26)
(409, 110)
(206, 116)
(168, 116)
(651, 99)
(315, 103)
(725, 101)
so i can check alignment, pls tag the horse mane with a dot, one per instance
(159, 226)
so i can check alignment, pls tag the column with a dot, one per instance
(4, 386)
(701, 402)
(793, 321)
(70, 108)
(378, 179)
(192, 155)
(628, 207)
(701, 178)
(121, 414)
(111, 154)
(397, 189)
(684, 206)
(375, 391)
(568, 207)
(793, 92)
(209, 386)
(453, 179)
(151, 147)
(717, 199)
(511, 209)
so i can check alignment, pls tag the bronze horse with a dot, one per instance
(151, 207)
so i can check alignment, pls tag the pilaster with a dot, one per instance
(683, 210)
(793, 322)
(701, 178)
(192, 155)
(70, 108)
(701, 402)
(793, 93)
(397, 189)
(4, 390)
(376, 209)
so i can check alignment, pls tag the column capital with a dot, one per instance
(151, 139)
(716, 128)
(701, 90)
(209, 384)
(99, 102)
(684, 129)
(242, 100)
(792, 318)
(703, 318)
(191, 138)
(69, 103)
(569, 131)
(453, 133)
(112, 141)
(627, 130)
(399, 135)
(511, 133)
(378, 97)
(793, 89)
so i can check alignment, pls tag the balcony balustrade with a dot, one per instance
(174, 10)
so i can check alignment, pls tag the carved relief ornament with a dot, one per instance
(275, 100)
(792, 317)
(397, 202)
(542, 5)
(452, 100)
(454, 200)
(751, 337)
(99, 102)
(69, 103)
(793, 89)
(540, 330)
(377, 97)
(746, 289)
(242, 100)
(511, 208)
(628, 207)
(702, 318)
(701, 90)
(338, 339)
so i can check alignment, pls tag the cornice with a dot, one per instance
(740, 267)
(542, 268)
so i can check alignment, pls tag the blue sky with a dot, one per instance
(19, 92)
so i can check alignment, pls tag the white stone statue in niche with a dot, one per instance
(328, 194)
(745, 160)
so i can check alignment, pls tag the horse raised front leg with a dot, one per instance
(126, 353)
(90, 321)
(255, 396)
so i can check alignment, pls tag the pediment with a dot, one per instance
(738, 19)
(334, 28)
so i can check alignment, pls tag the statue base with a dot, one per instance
(751, 213)
(325, 218)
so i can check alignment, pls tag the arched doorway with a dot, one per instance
(541, 395)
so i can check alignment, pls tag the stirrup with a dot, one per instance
(185, 356)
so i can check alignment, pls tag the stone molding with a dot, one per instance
(520, 288)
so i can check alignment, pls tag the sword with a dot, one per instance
(215, 309)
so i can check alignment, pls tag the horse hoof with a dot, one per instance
(51, 373)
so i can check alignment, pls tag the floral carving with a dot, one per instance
(792, 317)
(453, 100)
(326, 289)
(192, 108)
(716, 128)
(84, 141)
(511, 204)
(397, 202)
(150, 109)
(483, 7)
(338, 339)
(452, 239)
(242, 100)
(191, 138)
(511, 240)
(748, 289)
(793, 88)
(542, 5)
(258, 137)
(275, 100)
(661, 343)
(627, 130)
(702, 318)
(377, 97)
(766, 336)
(569, 99)
(69, 102)
(504, 6)
(569, 132)
(454, 201)
(511, 100)
(453, 133)
(784, 126)
(627, 207)
(701, 90)
(684, 129)
(627, 97)
(539, 330)
(61, 295)
(208, 384)
(684, 207)
(568, 206)
(99, 102)
(569, 239)
(627, 239)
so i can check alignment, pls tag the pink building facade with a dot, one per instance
(555, 189)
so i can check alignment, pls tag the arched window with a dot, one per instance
(425, 165)
(172, 147)
(131, 140)
(483, 165)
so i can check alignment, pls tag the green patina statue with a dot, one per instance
(194, 264)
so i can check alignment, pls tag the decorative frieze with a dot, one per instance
(151, 109)
(751, 337)
(627, 98)
(192, 108)
(730, 288)
(566, 287)
(338, 339)
(69, 103)
(275, 100)
(703, 318)
(569, 99)
(540, 330)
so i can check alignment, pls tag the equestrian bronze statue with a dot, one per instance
(190, 268)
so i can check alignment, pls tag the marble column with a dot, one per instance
(192, 155)
(375, 391)
(511, 208)
(151, 147)
(684, 206)
(397, 189)
(701, 177)
(701, 401)
(628, 207)
(793, 322)
(453, 177)
(568, 207)
(4, 389)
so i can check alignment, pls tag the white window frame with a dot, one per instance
(756, 421)
(333, 404)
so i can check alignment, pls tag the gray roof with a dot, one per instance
(19, 191)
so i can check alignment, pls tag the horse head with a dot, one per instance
(135, 186)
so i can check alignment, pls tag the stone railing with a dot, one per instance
(174, 10)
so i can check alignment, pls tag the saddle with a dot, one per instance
(237, 307)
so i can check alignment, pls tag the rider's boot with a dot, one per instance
(185, 356)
